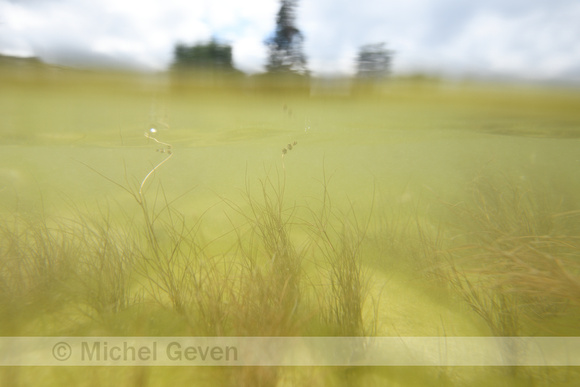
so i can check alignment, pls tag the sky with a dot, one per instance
(524, 39)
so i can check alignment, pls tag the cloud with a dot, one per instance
(134, 33)
(531, 38)
(540, 43)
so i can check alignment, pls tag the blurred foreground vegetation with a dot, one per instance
(286, 207)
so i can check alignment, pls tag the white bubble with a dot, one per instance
(153, 130)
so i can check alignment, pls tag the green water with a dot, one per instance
(421, 178)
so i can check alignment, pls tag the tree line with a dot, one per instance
(285, 52)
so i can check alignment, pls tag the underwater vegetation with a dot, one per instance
(137, 209)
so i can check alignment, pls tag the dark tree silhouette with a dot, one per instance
(208, 56)
(373, 61)
(285, 46)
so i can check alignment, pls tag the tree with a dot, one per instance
(285, 46)
(209, 56)
(373, 61)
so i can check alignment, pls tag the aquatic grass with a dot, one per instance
(408, 237)
(502, 207)
(501, 309)
(549, 268)
(543, 271)
(169, 259)
(338, 238)
(270, 290)
(60, 269)
(37, 258)
(497, 307)
(523, 259)
(268, 295)
(429, 251)
(104, 274)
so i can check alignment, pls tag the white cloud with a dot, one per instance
(249, 54)
(535, 45)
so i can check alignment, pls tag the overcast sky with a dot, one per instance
(532, 39)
